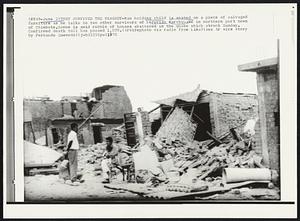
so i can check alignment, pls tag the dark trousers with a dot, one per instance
(73, 164)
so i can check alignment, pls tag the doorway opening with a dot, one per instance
(55, 135)
(97, 134)
(202, 117)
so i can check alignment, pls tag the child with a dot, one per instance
(63, 169)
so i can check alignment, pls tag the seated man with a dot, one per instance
(110, 159)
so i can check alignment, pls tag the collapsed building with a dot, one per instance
(99, 113)
(268, 127)
(215, 113)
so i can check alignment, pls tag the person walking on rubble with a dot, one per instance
(110, 158)
(72, 153)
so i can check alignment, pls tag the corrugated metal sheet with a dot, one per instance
(189, 97)
(179, 195)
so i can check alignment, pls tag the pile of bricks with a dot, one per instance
(146, 123)
(178, 126)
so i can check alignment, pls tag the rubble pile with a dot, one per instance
(209, 161)
(208, 158)
(178, 126)
(89, 158)
(119, 134)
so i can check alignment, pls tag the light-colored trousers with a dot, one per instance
(73, 164)
(105, 165)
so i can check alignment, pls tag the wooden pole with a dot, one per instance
(89, 116)
(207, 132)
(191, 114)
(32, 132)
(170, 112)
(154, 109)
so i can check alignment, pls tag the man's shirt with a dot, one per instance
(73, 137)
(114, 152)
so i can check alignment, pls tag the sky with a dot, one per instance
(151, 66)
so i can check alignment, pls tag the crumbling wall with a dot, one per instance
(268, 98)
(100, 112)
(85, 133)
(231, 110)
(146, 123)
(82, 107)
(41, 111)
(257, 144)
(178, 126)
(67, 108)
(115, 104)
(107, 130)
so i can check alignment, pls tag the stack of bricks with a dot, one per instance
(231, 110)
(146, 123)
(178, 126)
(257, 144)
(268, 90)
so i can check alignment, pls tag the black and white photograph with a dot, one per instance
(153, 104)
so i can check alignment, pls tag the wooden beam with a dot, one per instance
(170, 112)
(32, 132)
(154, 109)
(192, 111)
(89, 116)
(217, 141)
(258, 65)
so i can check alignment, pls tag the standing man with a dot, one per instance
(72, 149)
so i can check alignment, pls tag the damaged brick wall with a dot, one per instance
(257, 145)
(81, 107)
(85, 133)
(268, 98)
(41, 111)
(231, 110)
(116, 104)
(146, 123)
(107, 130)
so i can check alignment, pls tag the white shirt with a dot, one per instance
(250, 126)
(73, 137)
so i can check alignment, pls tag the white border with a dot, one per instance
(288, 97)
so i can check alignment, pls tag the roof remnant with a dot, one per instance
(270, 63)
(72, 98)
(196, 96)
(189, 97)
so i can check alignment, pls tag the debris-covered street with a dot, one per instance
(50, 187)
(168, 165)
(199, 145)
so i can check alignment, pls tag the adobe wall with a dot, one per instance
(268, 98)
(231, 110)
(41, 111)
(116, 104)
(85, 133)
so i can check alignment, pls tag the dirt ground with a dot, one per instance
(49, 188)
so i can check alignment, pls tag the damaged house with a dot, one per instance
(97, 114)
(215, 113)
(267, 134)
